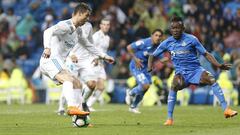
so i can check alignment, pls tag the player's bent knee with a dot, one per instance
(101, 88)
(212, 81)
(207, 78)
(100, 85)
(176, 87)
(70, 78)
(64, 77)
(146, 87)
(77, 84)
(91, 84)
(178, 83)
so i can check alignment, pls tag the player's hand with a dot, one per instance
(164, 60)
(225, 66)
(109, 59)
(46, 53)
(95, 62)
(138, 63)
(149, 69)
(74, 58)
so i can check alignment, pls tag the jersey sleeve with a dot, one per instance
(160, 49)
(56, 30)
(95, 37)
(90, 36)
(137, 45)
(88, 31)
(199, 46)
(91, 47)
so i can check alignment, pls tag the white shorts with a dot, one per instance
(51, 66)
(100, 72)
(83, 69)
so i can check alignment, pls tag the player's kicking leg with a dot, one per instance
(71, 91)
(208, 79)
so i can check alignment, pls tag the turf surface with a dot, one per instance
(114, 119)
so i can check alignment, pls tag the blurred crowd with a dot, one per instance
(215, 23)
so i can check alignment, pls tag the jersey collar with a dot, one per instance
(183, 35)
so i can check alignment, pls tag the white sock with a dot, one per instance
(94, 97)
(86, 93)
(78, 97)
(69, 93)
(62, 102)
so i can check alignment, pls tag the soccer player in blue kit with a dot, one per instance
(140, 51)
(184, 49)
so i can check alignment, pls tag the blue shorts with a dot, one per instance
(192, 77)
(141, 76)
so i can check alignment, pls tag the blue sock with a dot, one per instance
(217, 91)
(172, 96)
(136, 90)
(137, 99)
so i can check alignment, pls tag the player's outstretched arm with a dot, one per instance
(91, 48)
(138, 62)
(150, 61)
(47, 36)
(211, 59)
(109, 59)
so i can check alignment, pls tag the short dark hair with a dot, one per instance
(10, 10)
(176, 19)
(157, 30)
(105, 19)
(82, 8)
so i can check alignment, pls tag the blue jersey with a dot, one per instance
(184, 52)
(142, 49)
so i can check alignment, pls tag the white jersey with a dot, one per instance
(86, 48)
(84, 67)
(101, 40)
(61, 38)
(79, 50)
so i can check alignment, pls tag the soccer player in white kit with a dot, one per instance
(58, 42)
(101, 40)
(79, 62)
(85, 62)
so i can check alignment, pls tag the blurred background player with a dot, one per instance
(140, 51)
(58, 42)
(101, 40)
(184, 49)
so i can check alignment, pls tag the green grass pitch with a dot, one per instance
(114, 119)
